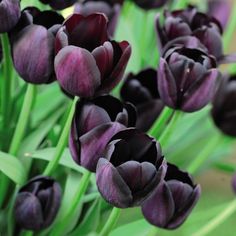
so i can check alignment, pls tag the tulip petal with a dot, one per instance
(159, 208)
(77, 72)
(201, 92)
(111, 185)
(161, 35)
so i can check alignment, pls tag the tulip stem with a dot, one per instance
(165, 136)
(6, 80)
(63, 140)
(111, 222)
(160, 122)
(205, 152)
(219, 219)
(153, 231)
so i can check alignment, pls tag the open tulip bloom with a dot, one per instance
(122, 141)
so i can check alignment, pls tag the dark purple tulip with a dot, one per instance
(59, 4)
(172, 200)
(220, 9)
(130, 169)
(33, 45)
(112, 11)
(224, 107)
(88, 63)
(37, 203)
(150, 4)
(95, 122)
(190, 22)
(187, 75)
(9, 14)
(141, 90)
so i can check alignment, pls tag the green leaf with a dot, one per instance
(90, 221)
(66, 159)
(13, 168)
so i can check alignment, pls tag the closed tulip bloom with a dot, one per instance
(187, 75)
(59, 4)
(88, 63)
(224, 107)
(172, 200)
(111, 10)
(94, 123)
(150, 4)
(130, 169)
(33, 45)
(190, 22)
(141, 90)
(37, 203)
(9, 14)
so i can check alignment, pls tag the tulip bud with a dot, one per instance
(150, 4)
(37, 203)
(224, 108)
(131, 167)
(141, 90)
(9, 14)
(186, 75)
(172, 200)
(59, 4)
(94, 123)
(111, 10)
(88, 63)
(33, 45)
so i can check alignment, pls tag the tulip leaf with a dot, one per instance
(90, 221)
(12, 167)
(47, 155)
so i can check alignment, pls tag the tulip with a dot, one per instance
(9, 14)
(190, 22)
(33, 45)
(141, 90)
(88, 63)
(112, 11)
(130, 169)
(37, 203)
(224, 108)
(150, 4)
(59, 4)
(172, 200)
(94, 123)
(187, 75)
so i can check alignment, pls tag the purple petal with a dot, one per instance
(77, 72)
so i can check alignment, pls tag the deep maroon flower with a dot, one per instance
(88, 63)
(95, 122)
(141, 90)
(186, 75)
(224, 107)
(112, 11)
(150, 4)
(33, 45)
(130, 169)
(59, 4)
(172, 200)
(190, 22)
(37, 203)
(9, 14)
(219, 9)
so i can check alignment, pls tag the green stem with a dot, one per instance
(63, 140)
(203, 155)
(73, 206)
(153, 231)
(180, 4)
(111, 222)
(219, 219)
(160, 122)
(230, 29)
(7, 80)
(27, 233)
(18, 134)
(165, 136)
